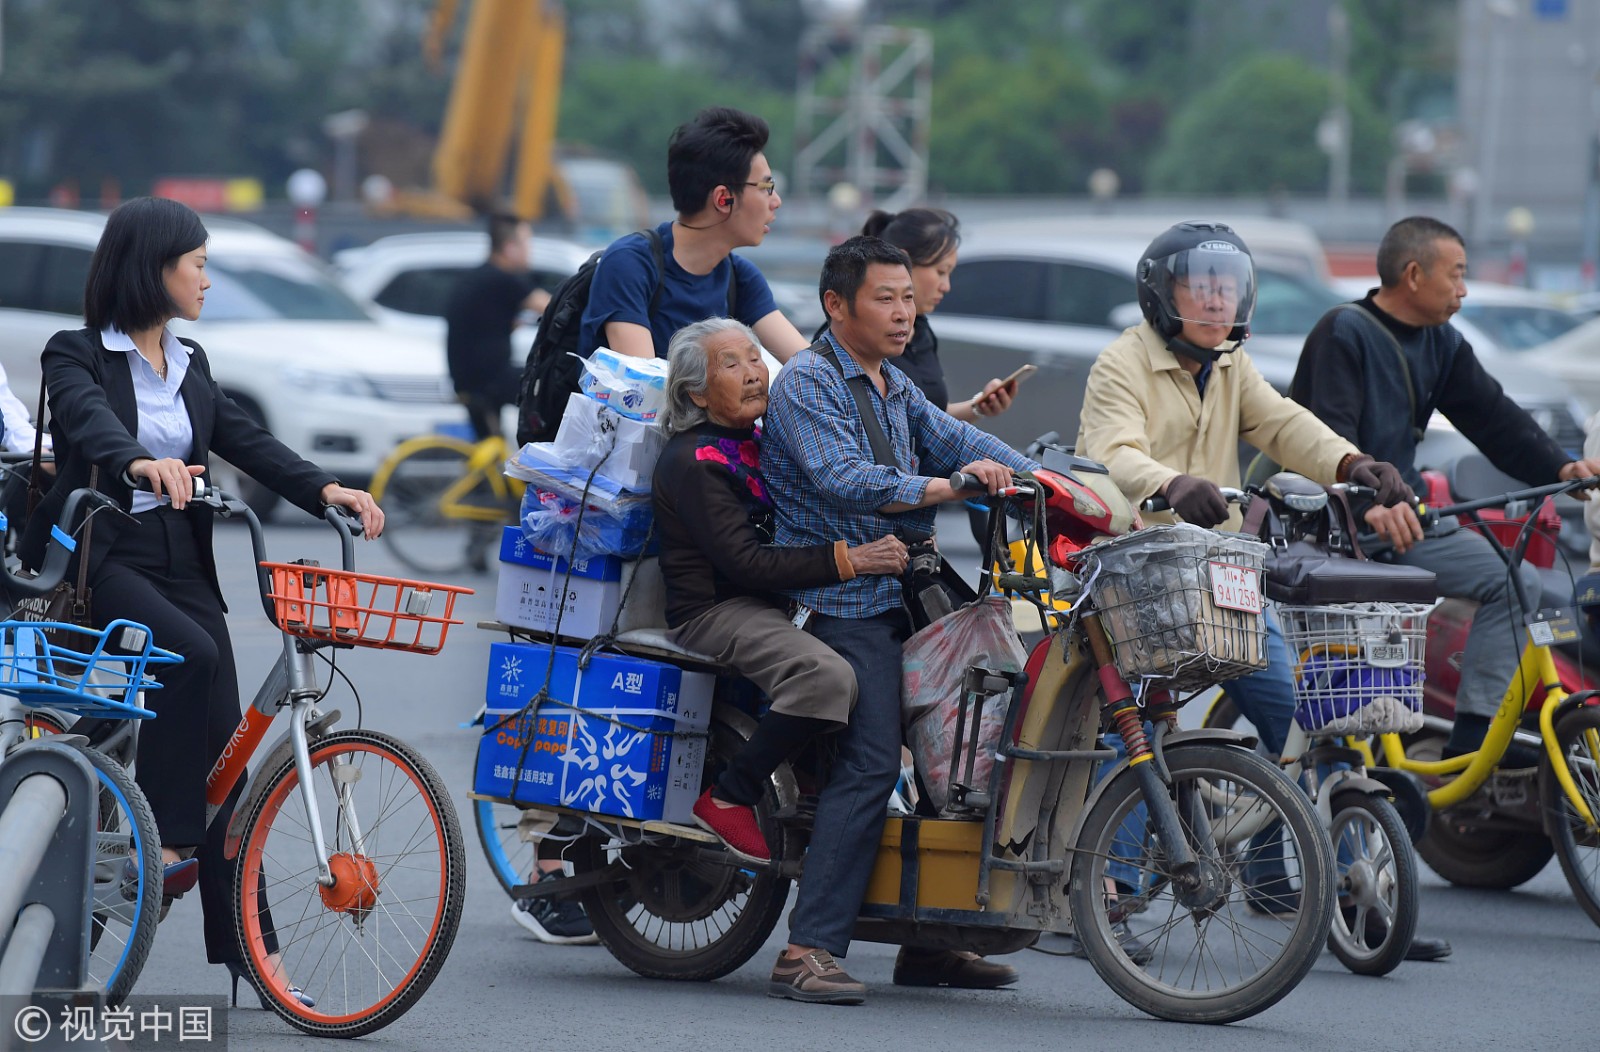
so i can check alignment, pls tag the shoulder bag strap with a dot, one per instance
(79, 612)
(882, 450)
(35, 487)
(1405, 365)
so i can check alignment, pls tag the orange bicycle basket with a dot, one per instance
(361, 609)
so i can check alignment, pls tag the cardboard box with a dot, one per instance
(530, 581)
(605, 742)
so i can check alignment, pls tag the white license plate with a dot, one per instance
(1236, 587)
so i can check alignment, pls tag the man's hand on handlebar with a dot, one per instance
(1580, 469)
(993, 474)
(886, 555)
(1381, 477)
(1398, 525)
(168, 475)
(1196, 500)
(359, 503)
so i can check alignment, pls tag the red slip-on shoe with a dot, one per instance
(735, 826)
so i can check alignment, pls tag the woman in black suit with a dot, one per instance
(129, 398)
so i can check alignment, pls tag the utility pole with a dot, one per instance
(1339, 113)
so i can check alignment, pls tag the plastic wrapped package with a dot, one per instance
(935, 664)
(1157, 594)
(634, 387)
(594, 435)
(615, 520)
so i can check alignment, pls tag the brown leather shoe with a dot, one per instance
(956, 968)
(815, 977)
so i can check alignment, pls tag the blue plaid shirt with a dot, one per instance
(825, 484)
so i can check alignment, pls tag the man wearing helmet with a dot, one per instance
(1165, 408)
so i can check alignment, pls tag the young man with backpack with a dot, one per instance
(647, 285)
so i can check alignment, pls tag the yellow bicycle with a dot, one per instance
(444, 501)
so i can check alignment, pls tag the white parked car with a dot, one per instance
(409, 277)
(284, 339)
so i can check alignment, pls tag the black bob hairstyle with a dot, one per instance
(127, 288)
(845, 269)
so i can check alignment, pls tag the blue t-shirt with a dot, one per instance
(626, 277)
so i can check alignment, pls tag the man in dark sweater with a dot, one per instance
(479, 317)
(1375, 371)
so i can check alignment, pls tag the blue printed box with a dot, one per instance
(604, 743)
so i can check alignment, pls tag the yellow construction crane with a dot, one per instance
(507, 88)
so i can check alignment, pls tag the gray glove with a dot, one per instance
(1198, 501)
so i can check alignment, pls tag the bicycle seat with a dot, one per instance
(653, 643)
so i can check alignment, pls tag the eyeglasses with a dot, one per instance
(1204, 291)
(766, 186)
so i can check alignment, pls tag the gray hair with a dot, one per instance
(687, 372)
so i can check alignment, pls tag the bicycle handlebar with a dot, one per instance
(965, 482)
(229, 506)
(59, 549)
(1159, 502)
(1502, 499)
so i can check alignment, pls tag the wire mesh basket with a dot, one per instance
(68, 667)
(1180, 604)
(361, 609)
(1358, 667)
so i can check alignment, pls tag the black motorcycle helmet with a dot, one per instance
(1210, 254)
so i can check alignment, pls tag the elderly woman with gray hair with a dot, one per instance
(724, 576)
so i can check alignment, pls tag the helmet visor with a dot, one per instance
(1213, 283)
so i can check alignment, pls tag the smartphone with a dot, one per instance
(1022, 373)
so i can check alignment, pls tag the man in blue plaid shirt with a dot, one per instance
(826, 486)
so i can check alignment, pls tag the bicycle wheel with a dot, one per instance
(510, 857)
(1376, 873)
(125, 909)
(1470, 854)
(675, 914)
(1201, 954)
(366, 948)
(423, 534)
(1577, 846)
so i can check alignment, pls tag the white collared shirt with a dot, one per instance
(164, 427)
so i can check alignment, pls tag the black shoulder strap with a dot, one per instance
(882, 451)
(1400, 352)
(733, 289)
(658, 252)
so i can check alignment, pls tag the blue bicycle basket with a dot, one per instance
(68, 667)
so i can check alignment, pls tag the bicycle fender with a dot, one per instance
(282, 752)
(1175, 739)
(1346, 782)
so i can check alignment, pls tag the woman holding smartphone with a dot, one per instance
(930, 236)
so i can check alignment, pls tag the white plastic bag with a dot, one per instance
(935, 663)
(593, 435)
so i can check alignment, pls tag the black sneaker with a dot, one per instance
(562, 923)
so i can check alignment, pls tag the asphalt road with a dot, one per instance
(1522, 975)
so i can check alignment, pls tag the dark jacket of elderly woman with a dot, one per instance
(723, 573)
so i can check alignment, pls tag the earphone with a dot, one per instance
(724, 201)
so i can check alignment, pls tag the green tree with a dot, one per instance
(1255, 131)
(1038, 125)
(629, 107)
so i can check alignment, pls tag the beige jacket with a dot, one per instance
(1143, 418)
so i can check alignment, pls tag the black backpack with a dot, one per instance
(551, 373)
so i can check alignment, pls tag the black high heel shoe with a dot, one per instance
(238, 972)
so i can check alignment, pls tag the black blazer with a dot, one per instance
(95, 418)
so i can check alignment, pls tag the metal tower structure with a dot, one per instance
(865, 103)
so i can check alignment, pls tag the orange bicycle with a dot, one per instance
(351, 866)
